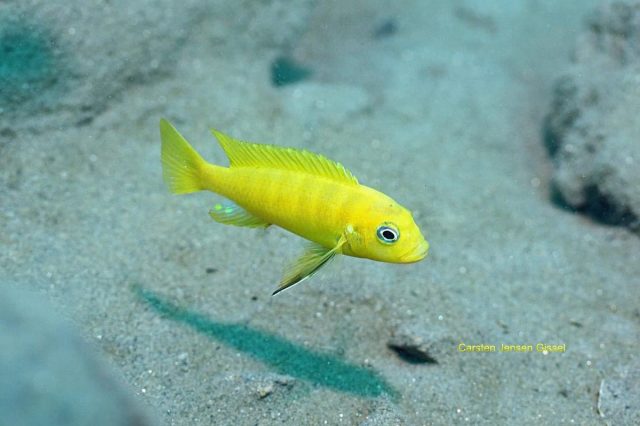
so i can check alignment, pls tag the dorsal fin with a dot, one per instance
(245, 154)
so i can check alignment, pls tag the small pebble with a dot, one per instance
(265, 390)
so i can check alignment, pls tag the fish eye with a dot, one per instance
(387, 234)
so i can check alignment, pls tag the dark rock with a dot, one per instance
(413, 353)
(286, 71)
(417, 344)
(592, 131)
(385, 29)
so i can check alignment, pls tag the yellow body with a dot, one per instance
(315, 208)
(299, 191)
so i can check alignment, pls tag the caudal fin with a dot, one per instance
(181, 165)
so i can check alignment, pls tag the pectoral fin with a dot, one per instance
(314, 257)
(230, 213)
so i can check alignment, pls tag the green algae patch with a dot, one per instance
(29, 65)
(286, 71)
(281, 355)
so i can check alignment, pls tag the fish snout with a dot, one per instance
(417, 254)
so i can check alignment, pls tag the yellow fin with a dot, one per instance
(181, 164)
(229, 213)
(314, 257)
(245, 154)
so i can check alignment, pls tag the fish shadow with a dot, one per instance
(283, 356)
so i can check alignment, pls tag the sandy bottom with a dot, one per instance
(444, 113)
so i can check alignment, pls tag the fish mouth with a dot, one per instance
(416, 254)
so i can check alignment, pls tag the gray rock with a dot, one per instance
(69, 59)
(267, 384)
(592, 131)
(619, 397)
(49, 376)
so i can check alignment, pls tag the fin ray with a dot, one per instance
(246, 154)
(181, 164)
(309, 263)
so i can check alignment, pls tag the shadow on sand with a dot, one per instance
(281, 355)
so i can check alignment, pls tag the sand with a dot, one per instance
(439, 105)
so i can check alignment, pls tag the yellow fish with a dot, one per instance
(302, 192)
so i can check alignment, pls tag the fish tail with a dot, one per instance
(182, 166)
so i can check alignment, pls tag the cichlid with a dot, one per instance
(302, 192)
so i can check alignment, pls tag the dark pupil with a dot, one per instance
(388, 235)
